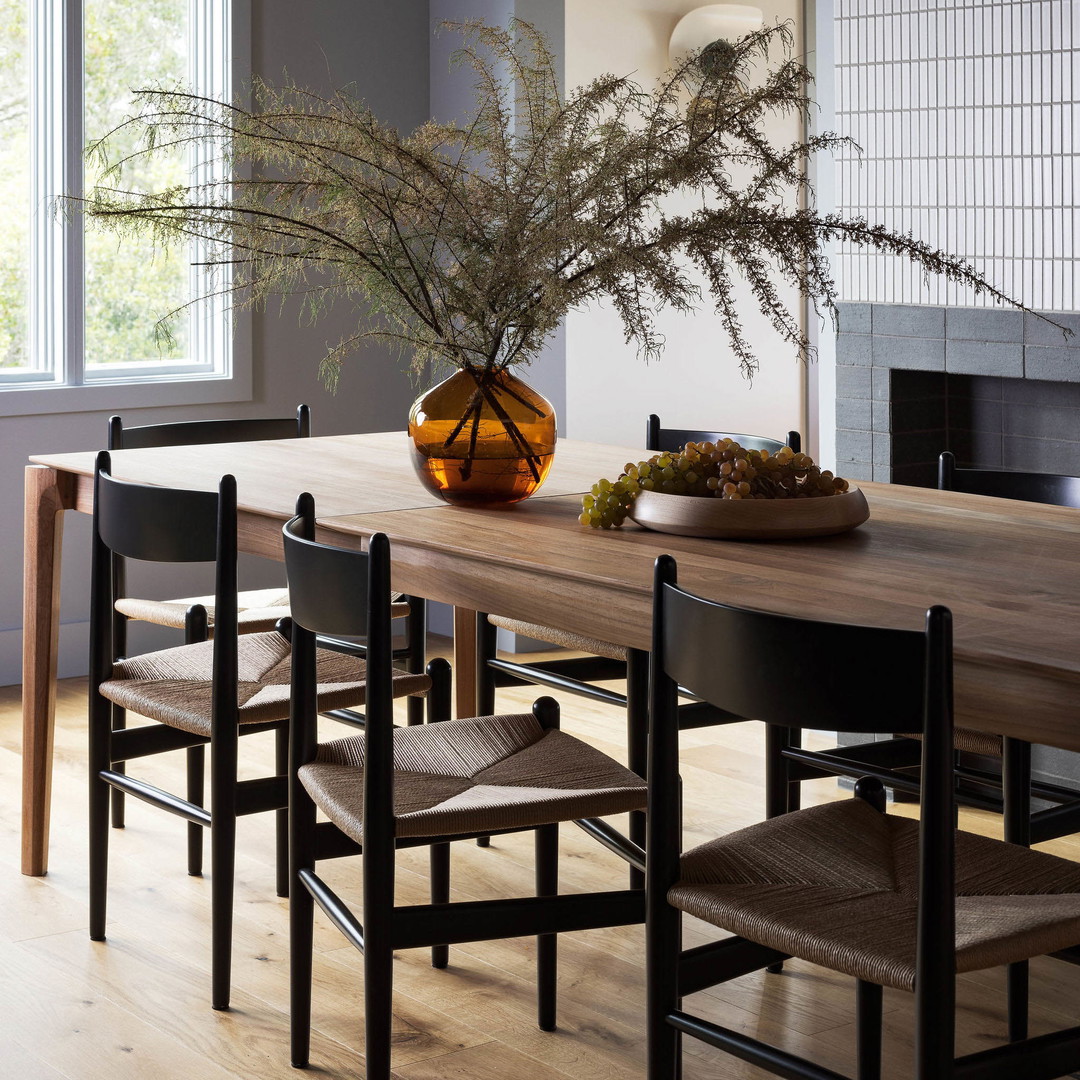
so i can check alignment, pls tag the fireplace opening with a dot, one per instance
(986, 421)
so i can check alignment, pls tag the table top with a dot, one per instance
(347, 474)
(1010, 572)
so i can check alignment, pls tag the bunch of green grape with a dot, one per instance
(721, 470)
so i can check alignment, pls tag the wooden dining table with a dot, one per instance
(1009, 570)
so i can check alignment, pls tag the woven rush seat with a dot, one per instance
(837, 885)
(258, 610)
(972, 742)
(175, 686)
(561, 638)
(486, 773)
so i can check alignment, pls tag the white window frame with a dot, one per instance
(56, 312)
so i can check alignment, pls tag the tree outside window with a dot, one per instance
(78, 308)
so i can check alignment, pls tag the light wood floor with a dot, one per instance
(137, 1006)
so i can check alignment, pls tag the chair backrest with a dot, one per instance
(1053, 488)
(332, 590)
(794, 672)
(802, 673)
(199, 432)
(344, 593)
(659, 438)
(160, 524)
(154, 524)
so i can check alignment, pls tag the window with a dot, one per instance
(79, 308)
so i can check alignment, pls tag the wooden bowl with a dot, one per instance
(750, 519)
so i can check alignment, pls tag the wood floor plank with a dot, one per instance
(489, 1062)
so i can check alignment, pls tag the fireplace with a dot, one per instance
(1001, 389)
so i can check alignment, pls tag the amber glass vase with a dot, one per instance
(482, 438)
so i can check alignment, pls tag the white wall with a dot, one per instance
(609, 390)
(383, 49)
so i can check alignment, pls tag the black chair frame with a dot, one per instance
(200, 433)
(896, 762)
(689, 635)
(658, 437)
(159, 524)
(187, 433)
(346, 593)
(1053, 489)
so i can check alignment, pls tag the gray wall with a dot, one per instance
(452, 99)
(383, 49)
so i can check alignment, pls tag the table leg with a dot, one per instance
(48, 495)
(464, 662)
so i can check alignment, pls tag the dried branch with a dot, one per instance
(470, 243)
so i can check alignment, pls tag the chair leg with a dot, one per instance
(776, 771)
(662, 942)
(487, 637)
(439, 704)
(301, 944)
(416, 640)
(1016, 797)
(1016, 791)
(868, 1029)
(794, 789)
(222, 863)
(281, 822)
(119, 715)
(777, 787)
(440, 894)
(196, 790)
(1017, 997)
(547, 959)
(119, 722)
(301, 922)
(98, 816)
(301, 919)
(637, 738)
(378, 1009)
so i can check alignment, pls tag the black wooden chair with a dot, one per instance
(258, 610)
(605, 661)
(658, 437)
(890, 901)
(1014, 796)
(896, 761)
(1052, 488)
(209, 691)
(425, 785)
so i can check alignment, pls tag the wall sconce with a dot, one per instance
(704, 25)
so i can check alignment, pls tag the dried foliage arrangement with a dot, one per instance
(469, 243)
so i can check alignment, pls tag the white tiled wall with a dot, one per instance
(968, 119)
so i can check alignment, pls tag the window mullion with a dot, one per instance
(74, 268)
(210, 74)
(50, 236)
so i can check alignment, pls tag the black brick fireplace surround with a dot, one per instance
(997, 387)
